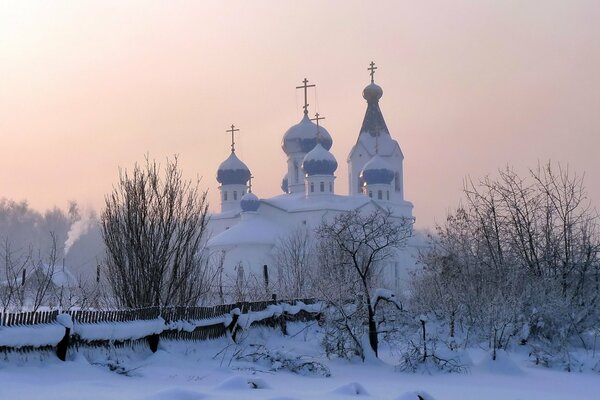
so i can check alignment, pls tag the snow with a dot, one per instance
(65, 320)
(299, 202)
(209, 370)
(385, 294)
(119, 330)
(37, 336)
(252, 229)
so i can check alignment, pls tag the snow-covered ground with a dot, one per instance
(213, 370)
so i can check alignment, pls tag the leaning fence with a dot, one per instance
(70, 330)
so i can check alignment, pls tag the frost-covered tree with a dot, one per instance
(154, 226)
(518, 260)
(352, 248)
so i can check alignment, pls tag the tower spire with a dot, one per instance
(372, 68)
(305, 87)
(232, 130)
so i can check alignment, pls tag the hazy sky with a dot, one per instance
(469, 87)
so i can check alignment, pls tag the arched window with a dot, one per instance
(379, 195)
(312, 187)
(225, 195)
(322, 186)
(235, 195)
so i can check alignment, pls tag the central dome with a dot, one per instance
(302, 137)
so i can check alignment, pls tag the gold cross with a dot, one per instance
(232, 131)
(318, 118)
(305, 87)
(372, 68)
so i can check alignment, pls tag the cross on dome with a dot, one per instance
(232, 130)
(305, 87)
(317, 118)
(372, 68)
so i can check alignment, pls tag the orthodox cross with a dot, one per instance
(305, 87)
(318, 118)
(372, 68)
(232, 130)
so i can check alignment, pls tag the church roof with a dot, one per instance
(299, 202)
(373, 122)
(254, 230)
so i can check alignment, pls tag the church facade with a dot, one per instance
(248, 229)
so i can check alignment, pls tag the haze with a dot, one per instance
(87, 87)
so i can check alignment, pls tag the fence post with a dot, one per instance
(62, 346)
(153, 342)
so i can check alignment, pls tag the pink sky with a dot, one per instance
(469, 87)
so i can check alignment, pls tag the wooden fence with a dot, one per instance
(169, 314)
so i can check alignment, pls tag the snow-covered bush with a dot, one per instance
(517, 263)
(276, 360)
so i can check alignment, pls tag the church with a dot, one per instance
(248, 229)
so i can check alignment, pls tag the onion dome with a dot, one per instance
(302, 137)
(376, 171)
(372, 93)
(249, 202)
(285, 184)
(233, 171)
(319, 161)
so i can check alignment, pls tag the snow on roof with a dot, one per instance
(252, 229)
(299, 202)
(61, 276)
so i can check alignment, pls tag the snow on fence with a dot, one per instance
(27, 331)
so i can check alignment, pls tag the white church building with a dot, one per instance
(248, 229)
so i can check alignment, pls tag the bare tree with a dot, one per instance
(154, 226)
(362, 243)
(294, 257)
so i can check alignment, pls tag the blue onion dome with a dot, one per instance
(302, 137)
(249, 202)
(233, 171)
(285, 184)
(377, 171)
(319, 161)
(372, 93)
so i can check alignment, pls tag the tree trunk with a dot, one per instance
(373, 340)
